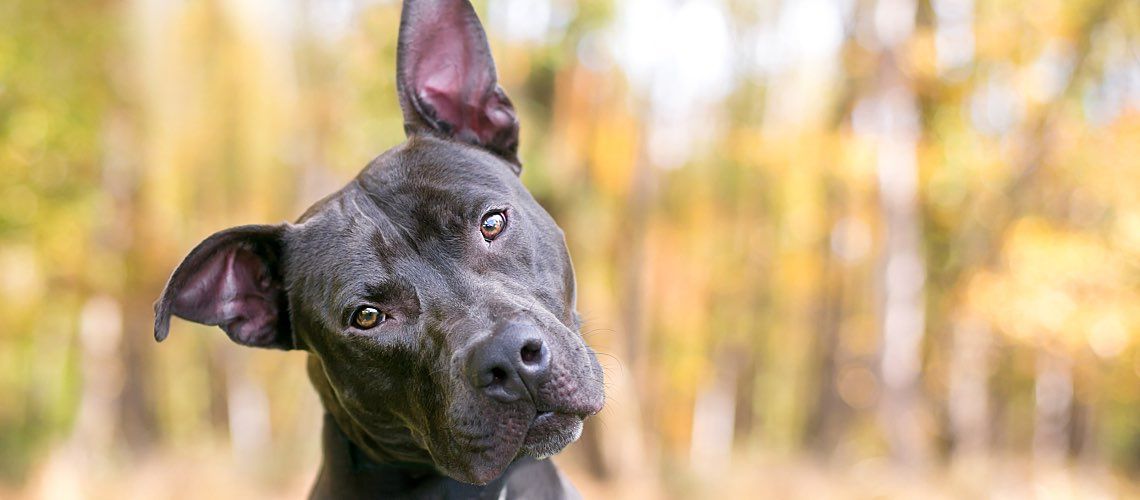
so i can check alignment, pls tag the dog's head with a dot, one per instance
(435, 296)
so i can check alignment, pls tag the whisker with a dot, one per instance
(592, 331)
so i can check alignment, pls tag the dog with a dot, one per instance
(435, 298)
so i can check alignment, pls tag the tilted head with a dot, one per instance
(435, 296)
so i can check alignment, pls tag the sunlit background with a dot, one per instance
(828, 248)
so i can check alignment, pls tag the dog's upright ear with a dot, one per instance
(232, 280)
(446, 78)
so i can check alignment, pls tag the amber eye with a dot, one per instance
(366, 317)
(492, 225)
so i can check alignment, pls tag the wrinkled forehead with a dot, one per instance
(410, 203)
(429, 189)
(428, 171)
(422, 185)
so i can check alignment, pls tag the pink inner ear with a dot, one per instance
(439, 92)
(232, 289)
(448, 72)
(449, 78)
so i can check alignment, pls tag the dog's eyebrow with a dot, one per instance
(383, 205)
(363, 215)
(394, 289)
(375, 219)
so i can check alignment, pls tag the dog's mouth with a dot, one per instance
(540, 426)
(547, 433)
(550, 432)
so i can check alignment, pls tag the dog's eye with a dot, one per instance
(492, 225)
(366, 317)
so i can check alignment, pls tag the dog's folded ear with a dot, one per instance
(232, 280)
(446, 78)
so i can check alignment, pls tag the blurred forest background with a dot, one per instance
(829, 248)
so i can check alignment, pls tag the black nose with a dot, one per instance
(510, 364)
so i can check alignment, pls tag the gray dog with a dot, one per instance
(434, 296)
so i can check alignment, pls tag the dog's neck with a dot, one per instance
(381, 443)
(348, 472)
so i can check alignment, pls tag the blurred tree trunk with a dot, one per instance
(632, 244)
(968, 403)
(138, 423)
(247, 410)
(903, 275)
(827, 420)
(133, 236)
(1083, 436)
(903, 268)
(1053, 403)
(714, 413)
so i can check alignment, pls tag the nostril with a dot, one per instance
(531, 351)
(498, 375)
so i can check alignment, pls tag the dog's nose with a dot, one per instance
(511, 364)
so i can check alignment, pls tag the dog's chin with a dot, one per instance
(548, 434)
(482, 473)
(478, 469)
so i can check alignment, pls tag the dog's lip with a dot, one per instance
(549, 420)
(543, 416)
